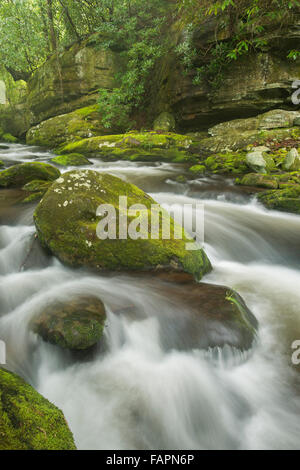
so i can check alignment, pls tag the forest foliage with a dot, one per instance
(33, 30)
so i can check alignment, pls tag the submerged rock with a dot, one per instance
(76, 324)
(27, 420)
(200, 315)
(18, 175)
(66, 223)
(73, 159)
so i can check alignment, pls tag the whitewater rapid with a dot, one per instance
(138, 393)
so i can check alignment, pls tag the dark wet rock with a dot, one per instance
(36, 257)
(76, 324)
(201, 315)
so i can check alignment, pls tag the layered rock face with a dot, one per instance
(72, 79)
(14, 113)
(252, 84)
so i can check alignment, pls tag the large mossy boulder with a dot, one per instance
(66, 223)
(77, 125)
(27, 420)
(18, 175)
(76, 325)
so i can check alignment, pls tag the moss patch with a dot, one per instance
(27, 420)
(73, 159)
(147, 146)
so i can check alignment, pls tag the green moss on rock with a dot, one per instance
(18, 175)
(197, 169)
(80, 124)
(259, 180)
(9, 138)
(147, 146)
(287, 200)
(66, 223)
(229, 162)
(72, 159)
(27, 420)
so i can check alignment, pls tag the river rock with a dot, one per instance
(80, 124)
(259, 162)
(18, 175)
(200, 315)
(66, 224)
(73, 159)
(27, 420)
(292, 161)
(258, 180)
(165, 122)
(135, 146)
(286, 199)
(76, 324)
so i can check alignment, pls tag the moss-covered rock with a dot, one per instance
(6, 137)
(76, 325)
(18, 175)
(80, 124)
(1, 164)
(237, 141)
(146, 146)
(259, 180)
(164, 122)
(197, 170)
(72, 159)
(229, 162)
(66, 224)
(260, 161)
(286, 200)
(27, 420)
(292, 161)
(15, 116)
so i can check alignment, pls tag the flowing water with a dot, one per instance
(138, 393)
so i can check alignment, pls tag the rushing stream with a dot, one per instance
(139, 393)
